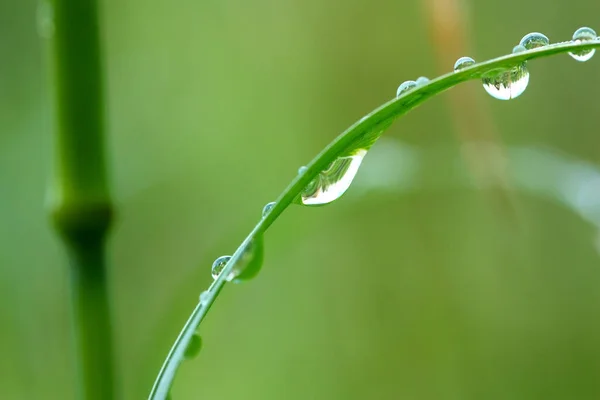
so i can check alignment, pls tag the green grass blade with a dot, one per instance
(374, 122)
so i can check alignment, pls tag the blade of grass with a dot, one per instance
(381, 117)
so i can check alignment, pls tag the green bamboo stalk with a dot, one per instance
(81, 208)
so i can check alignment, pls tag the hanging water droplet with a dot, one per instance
(218, 266)
(422, 80)
(506, 84)
(534, 40)
(267, 208)
(405, 87)
(463, 62)
(302, 170)
(332, 182)
(519, 49)
(193, 347)
(584, 34)
(251, 261)
(204, 296)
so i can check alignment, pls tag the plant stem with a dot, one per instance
(80, 202)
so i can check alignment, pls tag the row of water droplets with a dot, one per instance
(506, 84)
(332, 182)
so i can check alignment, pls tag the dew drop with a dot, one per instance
(250, 262)
(519, 49)
(332, 182)
(584, 34)
(302, 170)
(267, 208)
(534, 40)
(422, 80)
(506, 84)
(218, 266)
(204, 296)
(405, 87)
(193, 347)
(463, 62)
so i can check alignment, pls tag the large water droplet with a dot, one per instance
(405, 87)
(506, 84)
(193, 347)
(463, 62)
(534, 40)
(331, 183)
(267, 208)
(422, 80)
(584, 34)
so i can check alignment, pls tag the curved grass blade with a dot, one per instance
(362, 133)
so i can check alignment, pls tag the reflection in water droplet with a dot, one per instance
(422, 80)
(331, 183)
(267, 208)
(506, 84)
(519, 49)
(204, 296)
(218, 266)
(302, 170)
(405, 87)
(463, 62)
(584, 34)
(534, 40)
(193, 347)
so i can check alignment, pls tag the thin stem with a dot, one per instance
(80, 203)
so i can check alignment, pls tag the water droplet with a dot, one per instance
(422, 80)
(506, 84)
(584, 34)
(519, 49)
(218, 266)
(463, 62)
(193, 347)
(534, 40)
(302, 170)
(405, 87)
(251, 261)
(204, 296)
(332, 182)
(267, 208)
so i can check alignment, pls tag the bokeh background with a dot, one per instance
(463, 263)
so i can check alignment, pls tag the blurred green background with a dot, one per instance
(423, 282)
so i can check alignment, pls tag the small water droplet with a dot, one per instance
(506, 84)
(267, 208)
(463, 62)
(204, 296)
(519, 49)
(218, 266)
(405, 87)
(302, 170)
(422, 80)
(332, 182)
(193, 347)
(584, 34)
(534, 40)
